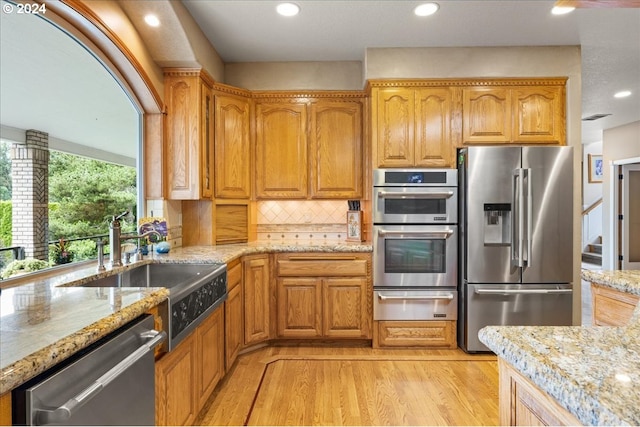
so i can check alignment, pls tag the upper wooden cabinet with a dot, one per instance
(412, 127)
(281, 149)
(308, 146)
(335, 149)
(519, 114)
(189, 134)
(232, 146)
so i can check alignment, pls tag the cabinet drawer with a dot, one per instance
(415, 334)
(234, 276)
(307, 266)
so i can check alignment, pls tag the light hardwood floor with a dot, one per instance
(353, 385)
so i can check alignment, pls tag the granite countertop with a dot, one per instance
(592, 371)
(45, 320)
(621, 280)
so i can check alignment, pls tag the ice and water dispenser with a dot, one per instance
(497, 224)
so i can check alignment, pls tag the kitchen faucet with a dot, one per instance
(114, 240)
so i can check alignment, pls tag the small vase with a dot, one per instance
(163, 247)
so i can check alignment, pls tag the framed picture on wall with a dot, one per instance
(596, 168)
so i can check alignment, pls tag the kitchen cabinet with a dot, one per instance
(232, 147)
(257, 299)
(412, 127)
(176, 398)
(323, 295)
(519, 115)
(611, 307)
(522, 403)
(5, 409)
(187, 375)
(189, 134)
(309, 146)
(233, 315)
(405, 333)
(209, 355)
(281, 149)
(335, 149)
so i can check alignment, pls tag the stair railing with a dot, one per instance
(591, 223)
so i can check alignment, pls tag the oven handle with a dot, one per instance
(382, 297)
(415, 195)
(430, 234)
(66, 411)
(521, 291)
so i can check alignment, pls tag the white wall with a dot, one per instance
(534, 61)
(590, 191)
(619, 143)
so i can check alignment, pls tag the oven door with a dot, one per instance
(401, 205)
(421, 256)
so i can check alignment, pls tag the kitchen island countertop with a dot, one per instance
(45, 320)
(592, 372)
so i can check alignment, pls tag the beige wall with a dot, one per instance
(533, 61)
(619, 143)
(337, 75)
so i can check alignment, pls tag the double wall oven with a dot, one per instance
(415, 244)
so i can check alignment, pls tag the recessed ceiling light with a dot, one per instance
(152, 20)
(623, 94)
(288, 9)
(562, 10)
(426, 9)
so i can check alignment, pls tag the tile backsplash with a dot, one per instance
(301, 220)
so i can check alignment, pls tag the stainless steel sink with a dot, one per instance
(195, 290)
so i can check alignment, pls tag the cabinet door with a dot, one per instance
(206, 142)
(394, 127)
(539, 115)
(281, 150)
(433, 143)
(486, 115)
(232, 148)
(345, 312)
(175, 392)
(233, 323)
(257, 300)
(209, 355)
(335, 141)
(182, 95)
(299, 308)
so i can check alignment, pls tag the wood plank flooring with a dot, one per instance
(351, 385)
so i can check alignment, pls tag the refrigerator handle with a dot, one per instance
(529, 202)
(516, 229)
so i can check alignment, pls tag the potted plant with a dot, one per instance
(61, 254)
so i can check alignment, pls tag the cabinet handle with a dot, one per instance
(322, 258)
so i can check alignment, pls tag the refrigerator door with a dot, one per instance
(513, 305)
(548, 209)
(487, 213)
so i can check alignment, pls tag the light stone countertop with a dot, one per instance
(45, 320)
(592, 371)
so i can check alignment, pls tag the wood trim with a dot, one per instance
(592, 206)
(189, 72)
(86, 21)
(478, 81)
(586, 4)
(302, 95)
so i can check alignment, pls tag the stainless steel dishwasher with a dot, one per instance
(110, 383)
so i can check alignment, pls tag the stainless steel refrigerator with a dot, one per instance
(516, 238)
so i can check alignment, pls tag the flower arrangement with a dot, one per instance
(61, 254)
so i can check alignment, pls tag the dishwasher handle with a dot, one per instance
(64, 412)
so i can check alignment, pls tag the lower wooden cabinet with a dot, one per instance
(522, 403)
(233, 315)
(257, 299)
(5, 409)
(611, 307)
(186, 376)
(323, 296)
(405, 333)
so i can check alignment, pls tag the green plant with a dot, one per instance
(60, 254)
(23, 266)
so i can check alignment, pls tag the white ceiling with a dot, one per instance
(251, 31)
(54, 86)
